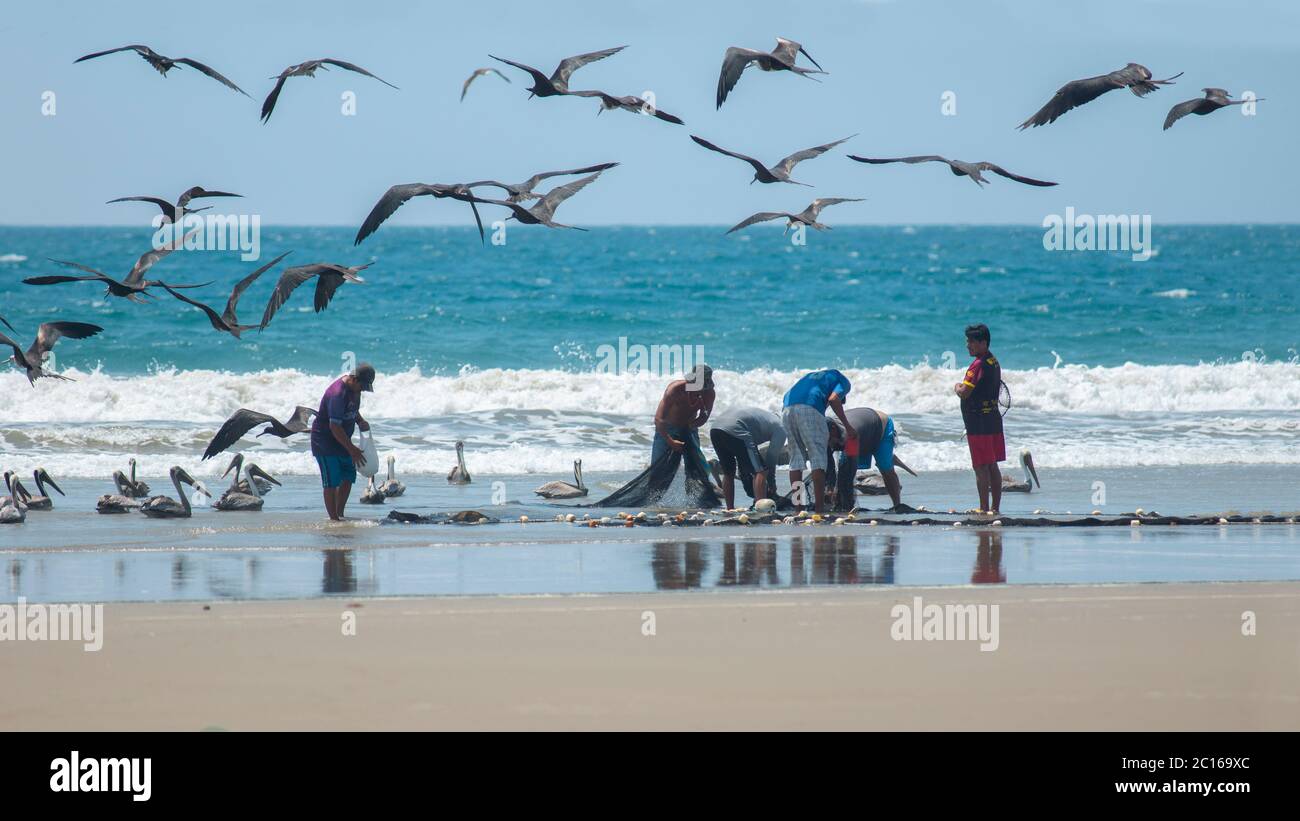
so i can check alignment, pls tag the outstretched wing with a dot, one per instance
(5, 322)
(555, 196)
(734, 63)
(762, 169)
(234, 428)
(1181, 110)
(51, 332)
(299, 422)
(538, 77)
(238, 291)
(19, 358)
(571, 64)
(213, 317)
(143, 51)
(787, 49)
(797, 157)
(762, 216)
(1000, 171)
(531, 182)
(393, 199)
(358, 69)
(821, 202)
(199, 192)
(1072, 95)
(167, 208)
(213, 73)
(882, 160)
(268, 105)
(148, 258)
(479, 73)
(289, 281)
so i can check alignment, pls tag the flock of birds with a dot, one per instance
(329, 277)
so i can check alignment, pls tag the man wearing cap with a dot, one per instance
(685, 406)
(331, 436)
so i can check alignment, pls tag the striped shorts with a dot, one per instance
(805, 428)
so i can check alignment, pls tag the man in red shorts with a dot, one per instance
(979, 392)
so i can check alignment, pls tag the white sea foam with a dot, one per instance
(12, 258)
(1175, 293)
(538, 421)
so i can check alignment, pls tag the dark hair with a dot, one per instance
(979, 333)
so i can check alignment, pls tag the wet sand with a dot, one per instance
(1132, 657)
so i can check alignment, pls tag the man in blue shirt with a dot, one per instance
(808, 429)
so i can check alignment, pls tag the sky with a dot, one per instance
(121, 129)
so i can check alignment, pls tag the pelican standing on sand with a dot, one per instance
(248, 497)
(1010, 485)
(565, 490)
(163, 507)
(390, 487)
(460, 474)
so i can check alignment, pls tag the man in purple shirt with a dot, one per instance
(331, 436)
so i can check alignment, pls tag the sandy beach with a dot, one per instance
(1150, 657)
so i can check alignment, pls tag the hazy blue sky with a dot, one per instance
(122, 129)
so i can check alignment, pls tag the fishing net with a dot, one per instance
(666, 485)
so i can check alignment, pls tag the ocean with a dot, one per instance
(1187, 359)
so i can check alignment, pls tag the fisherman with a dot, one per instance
(808, 429)
(736, 436)
(979, 391)
(684, 408)
(331, 436)
(876, 441)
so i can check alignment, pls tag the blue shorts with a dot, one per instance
(884, 452)
(335, 470)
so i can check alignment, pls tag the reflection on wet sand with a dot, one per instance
(816, 560)
(340, 575)
(988, 559)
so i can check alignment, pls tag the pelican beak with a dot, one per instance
(201, 489)
(233, 463)
(1029, 463)
(254, 470)
(45, 477)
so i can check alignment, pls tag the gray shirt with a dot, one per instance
(754, 427)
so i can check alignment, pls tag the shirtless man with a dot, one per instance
(685, 407)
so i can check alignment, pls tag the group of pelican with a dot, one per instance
(390, 488)
(19, 500)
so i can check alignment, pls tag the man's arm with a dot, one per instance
(972, 378)
(661, 420)
(702, 414)
(837, 404)
(341, 436)
(361, 422)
